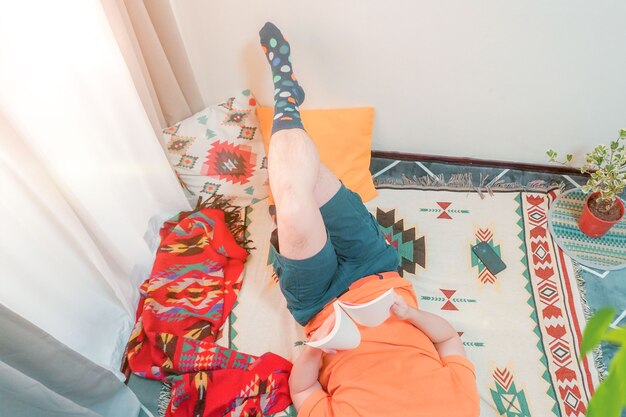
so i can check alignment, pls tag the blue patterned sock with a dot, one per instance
(288, 94)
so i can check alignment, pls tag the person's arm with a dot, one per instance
(437, 329)
(303, 381)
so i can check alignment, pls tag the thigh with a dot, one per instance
(306, 283)
(354, 232)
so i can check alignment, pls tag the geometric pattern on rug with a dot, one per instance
(484, 276)
(260, 321)
(186, 161)
(521, 328)
(209, 133)
(210, 188)
(602, 286)
(412, 251)
(172, 130)
(228, 104)
(180, 144)
(247, 133)
(444, 211)
(521, 331)
(561, 328)
(449, 302)
(508, 400)
(261, 287)
(230, 162)
(236, 118)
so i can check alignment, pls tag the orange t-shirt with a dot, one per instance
(395, 371)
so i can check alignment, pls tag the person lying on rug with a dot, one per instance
(330, 247)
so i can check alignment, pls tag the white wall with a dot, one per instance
(490, 79)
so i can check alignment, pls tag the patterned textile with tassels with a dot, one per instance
(184, 303)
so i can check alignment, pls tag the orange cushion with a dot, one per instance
(343, 138)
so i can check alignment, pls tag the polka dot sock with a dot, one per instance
(288, 94)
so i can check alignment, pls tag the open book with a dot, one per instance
(345, 334)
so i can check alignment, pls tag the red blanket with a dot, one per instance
(193, 286)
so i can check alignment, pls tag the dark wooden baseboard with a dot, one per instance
(557, 169)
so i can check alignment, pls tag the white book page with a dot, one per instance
(344, 335)
(372, 313)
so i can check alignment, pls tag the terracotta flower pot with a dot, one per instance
(593, 226)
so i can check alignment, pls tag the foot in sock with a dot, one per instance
(288, 94)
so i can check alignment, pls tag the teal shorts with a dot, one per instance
(354, 249)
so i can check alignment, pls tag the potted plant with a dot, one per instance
(606, 166)
(610, 396)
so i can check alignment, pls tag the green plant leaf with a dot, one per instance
(616, 336)
(622, 133)
(606, 401)
(618, 368)
(596, 326)
(616, 365)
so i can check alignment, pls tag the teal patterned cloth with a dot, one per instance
(607, 252)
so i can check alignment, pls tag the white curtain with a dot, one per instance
(41, 377)
(81, 175)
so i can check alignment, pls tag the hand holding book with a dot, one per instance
(323, 331)
(344, 333)
(400, 308)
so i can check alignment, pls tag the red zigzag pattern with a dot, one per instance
(485, 277)
(568, 381)
(503, 378)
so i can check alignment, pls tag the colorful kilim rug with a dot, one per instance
(521, 327)
(607, 252)
(260, 321)
(191, 290)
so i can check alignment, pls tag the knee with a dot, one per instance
(292, 203)
(285, 195)
(298, 233)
